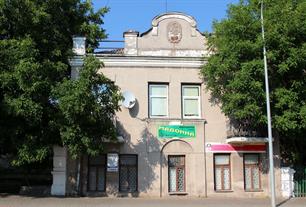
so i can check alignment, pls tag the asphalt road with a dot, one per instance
(22, 201)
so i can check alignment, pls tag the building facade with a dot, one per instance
(173, 138)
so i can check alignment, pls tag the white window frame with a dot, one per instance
(191, 98)
(154, 96)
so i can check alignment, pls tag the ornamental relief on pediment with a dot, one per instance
(174, 32)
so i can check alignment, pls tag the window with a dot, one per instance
(191, 101)
(251, 172)
(128, 173)
(176, 179)
(222, 172)
(96, 173)
(158, 103)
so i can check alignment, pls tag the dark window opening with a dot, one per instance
(128, 173)
(96, 173)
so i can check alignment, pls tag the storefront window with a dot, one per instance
(251, 172)
(176, 173)
(222, 172)
(96, 173)
(128, 173)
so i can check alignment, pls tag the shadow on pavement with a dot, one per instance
(283, 202)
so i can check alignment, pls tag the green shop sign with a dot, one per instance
(176, 131)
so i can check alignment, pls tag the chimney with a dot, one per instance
(79, 45)
(79, 50)
(131, 42)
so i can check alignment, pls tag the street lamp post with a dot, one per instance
(271, 162)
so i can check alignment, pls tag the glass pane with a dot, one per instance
(101, 178)
(250, 159)
(247, 178)
(172, 179)
(92, 179)
(128, 160)
(226, 179)
(124, 178)
(159, 106)
(191, 107)
(222, 159)
(190, 91)
(255, 172)
(158, 90)
(218, 183)
(98, 160)
(181, 179)
(132, 179)
(176, 161)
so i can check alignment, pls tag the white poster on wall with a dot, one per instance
(112, 162)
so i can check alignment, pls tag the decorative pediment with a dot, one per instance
(172, 34)
(174, 15)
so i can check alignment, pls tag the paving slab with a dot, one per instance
(23, 201)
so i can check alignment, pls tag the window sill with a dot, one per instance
(158, 117)
(175, 119)
(254, 191)
(128, 194)
(224, 191)
(178, 193)
(95, 194)
(191, 117)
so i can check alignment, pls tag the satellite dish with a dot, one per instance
(129, 99)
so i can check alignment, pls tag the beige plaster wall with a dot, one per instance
(140, 131)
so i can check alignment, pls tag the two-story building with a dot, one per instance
(173, 138)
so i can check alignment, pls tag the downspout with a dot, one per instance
(205, 167)
(76, 63)
(161, 174)
(78, 176)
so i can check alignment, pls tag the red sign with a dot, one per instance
(235, 148)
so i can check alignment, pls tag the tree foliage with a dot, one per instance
(235, 72)
(87, 108)
(35, 45)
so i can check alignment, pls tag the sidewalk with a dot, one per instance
(21, 201)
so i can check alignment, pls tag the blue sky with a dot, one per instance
(138, 14)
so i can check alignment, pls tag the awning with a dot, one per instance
(228, 148)
(246, 140)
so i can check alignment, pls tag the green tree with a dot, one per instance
(235, 74)
(35, 45)
(87, 108)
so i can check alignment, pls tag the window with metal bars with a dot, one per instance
(96, 173)
(128, 173)
(222, 167)
(252, 172)
(176, 165)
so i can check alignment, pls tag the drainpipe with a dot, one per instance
(78, 176)
(205, 167)
(161, 175)
(76, 63)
